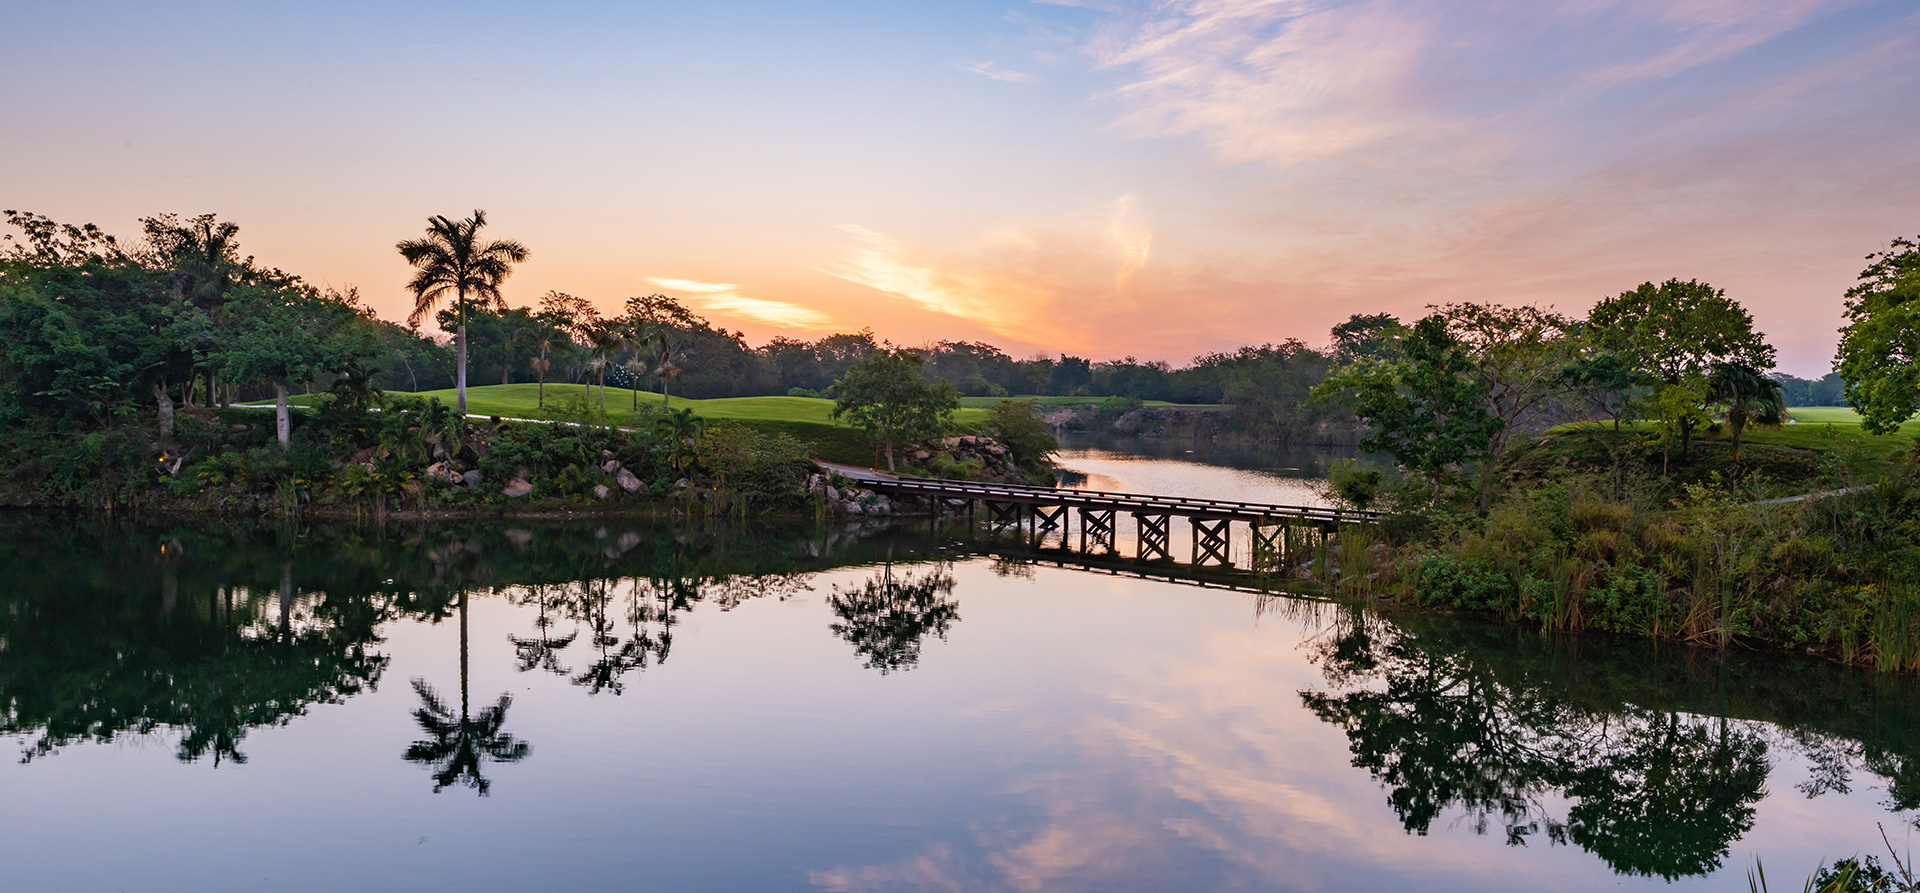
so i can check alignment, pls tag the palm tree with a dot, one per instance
(541, 365)
(663, 341)
(1749, 396)
(453, 259)
(605, 339)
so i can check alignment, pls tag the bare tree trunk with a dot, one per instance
(889, 450)
(165, 400)
(460, 386)
(282, 422)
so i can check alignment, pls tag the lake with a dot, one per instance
(633, 704)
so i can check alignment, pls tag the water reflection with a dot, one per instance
(164, 641)
(1446, 719)
(1093, 732)
(457, 744)
(889, 615)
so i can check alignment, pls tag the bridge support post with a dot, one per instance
(1153, 536)
(1002, 514)
(1049, 517)
(1210, 541)
(1269, 546)
(1096, 529)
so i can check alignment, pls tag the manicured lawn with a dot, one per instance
(1825, 428)
(1062, 401)
(806, 418)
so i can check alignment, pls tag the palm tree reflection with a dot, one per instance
(457, 745)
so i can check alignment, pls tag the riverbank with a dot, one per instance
(1593, 530)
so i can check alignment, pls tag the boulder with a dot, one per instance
(610, 466)
(439, 453)
(602, 491)
(627, 481)
(606, 455)
(470, 478)
(516, 489)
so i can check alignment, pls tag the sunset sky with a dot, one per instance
(1103, 178)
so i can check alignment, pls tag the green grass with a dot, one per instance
(1062, 401)
(809, 419)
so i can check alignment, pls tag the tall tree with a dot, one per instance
(1519, 353)
(1675, 332)
(290, 334)
(1880, 347)
(886, 394)
(452, 259)
(1427, 408)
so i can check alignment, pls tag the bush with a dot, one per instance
(1017, 425)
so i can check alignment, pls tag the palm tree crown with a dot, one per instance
(452, 259)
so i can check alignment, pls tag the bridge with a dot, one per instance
(1279, 531)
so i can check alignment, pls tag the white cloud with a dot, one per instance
(993, 70)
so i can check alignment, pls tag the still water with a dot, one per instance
(634, 705)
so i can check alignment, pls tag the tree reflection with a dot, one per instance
(457, 745)
(1652, 792)
(887, 618)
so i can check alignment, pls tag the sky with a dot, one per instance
(1109, 179)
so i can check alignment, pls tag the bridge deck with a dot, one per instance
(1138, 503)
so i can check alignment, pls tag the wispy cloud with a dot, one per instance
(993, 70)
(1029, 285)
(723, 298)
(1288, 82)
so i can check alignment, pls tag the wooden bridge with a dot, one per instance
(1278, 531)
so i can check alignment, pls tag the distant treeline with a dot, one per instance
(714, 362)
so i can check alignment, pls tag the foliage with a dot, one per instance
(1017, 425)
(451, 260)
(885, 394)
(1879, 356)
(1426, 408)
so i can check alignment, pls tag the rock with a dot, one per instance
(602, 491)
(611, 466)
(833, 493)
(606, 455)
(921, 455)
(516, 489)
(437, 470)
(439, 453)
(853, 508)
(627, 481)
(680, 486)
(881, 506)
(470, 478)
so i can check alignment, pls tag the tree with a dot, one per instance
(1018, 427)
(1364, 335)
(886, 394)
(1675, 332)
(452, 259)
(1748, 396)
(1427, 408)
(290, 334)
(1519, 353)
(604, 338)
(1879, 357)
